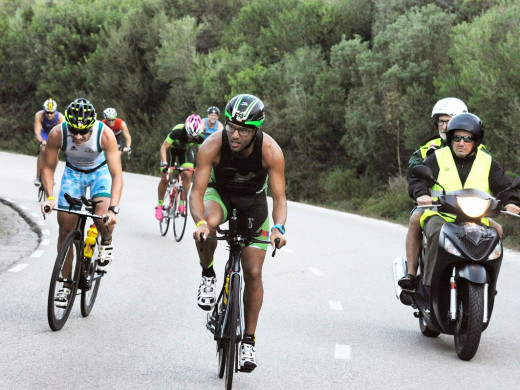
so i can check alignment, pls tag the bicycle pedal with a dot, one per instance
(246, 369)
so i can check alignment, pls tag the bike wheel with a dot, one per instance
(179, 218)
(64, 273)
(41, 193)
(92, 281)
(164, 223)
(233, 330)
(470, 314)
(221, 345)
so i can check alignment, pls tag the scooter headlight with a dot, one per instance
(497, 252)
(472, 206)
(450, 247)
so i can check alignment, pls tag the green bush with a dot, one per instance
(392, 202)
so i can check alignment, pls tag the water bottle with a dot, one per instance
(90, 241)
(226, 288)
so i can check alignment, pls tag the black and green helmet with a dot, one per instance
(80, 114)
(245, 110)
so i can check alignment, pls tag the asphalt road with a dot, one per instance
(330, 319)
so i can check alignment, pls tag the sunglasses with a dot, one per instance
(74, 131)
(466, 138)
(49, 112)
(243, 131)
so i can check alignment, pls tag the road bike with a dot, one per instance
(226, 321)
(75, 268)
(175, 205)
(41, 192)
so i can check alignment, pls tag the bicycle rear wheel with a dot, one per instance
(64, 275)
(180, 214)
(221, 345)
(92, 281)
(164, 223)
(233, 331)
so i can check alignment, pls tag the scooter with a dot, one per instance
(461, 297)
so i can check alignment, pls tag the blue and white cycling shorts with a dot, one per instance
(44, 135)
(75, 184)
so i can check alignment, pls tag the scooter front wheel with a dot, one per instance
(470, 313)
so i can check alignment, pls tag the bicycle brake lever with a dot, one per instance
(276, 242)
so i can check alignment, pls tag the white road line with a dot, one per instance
(316, 271)
(342, 351)
(38, 253)
(46, 232)
(18, 267)
(335, 305)
(45, 242)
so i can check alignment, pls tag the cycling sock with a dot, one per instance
(160, 202)
(106, 242)
(249, 339)
(208, 272)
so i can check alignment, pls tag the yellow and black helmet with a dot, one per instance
(80, 114)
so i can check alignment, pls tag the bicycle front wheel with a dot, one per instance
(64, 275)
(164, 223)
(92, 280)
(181, 213)
(233, 331)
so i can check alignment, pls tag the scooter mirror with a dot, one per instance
(423, 172)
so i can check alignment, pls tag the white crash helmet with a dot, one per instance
(50, 105)
(110, 113)
(193, 126)
(448, 106)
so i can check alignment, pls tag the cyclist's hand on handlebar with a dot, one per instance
(127, 149)
(424, 199)
(109, 218)
(201, 230)
(277, 235)
(47, 206)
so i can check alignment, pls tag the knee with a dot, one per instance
(253, 276)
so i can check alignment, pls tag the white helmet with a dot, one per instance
(193, 126)
(449, 106)
(110, 113)
(50, 105)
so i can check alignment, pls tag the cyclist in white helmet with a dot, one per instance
(118, 126)
(44, 121)
(211, 123)
(183, 143)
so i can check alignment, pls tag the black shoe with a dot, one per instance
(407, 282)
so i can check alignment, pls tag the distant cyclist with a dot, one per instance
(44, 121)
(118, 126)
(183, 143)
(92, 160)
(211, 123)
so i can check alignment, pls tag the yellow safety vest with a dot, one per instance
(449, 177)
(424, 149)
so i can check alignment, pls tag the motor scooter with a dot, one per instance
(461, 297)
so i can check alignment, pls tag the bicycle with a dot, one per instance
(41, 192)
(175, 205)
(226, 321)
(72, 268)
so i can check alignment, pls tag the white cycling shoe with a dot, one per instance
(247, 357)
(206, 297)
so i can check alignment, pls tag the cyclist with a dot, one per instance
(182, 142)
(92, 160)
(442, 112)
(118, 126)
(211, 123)
(235, 167)
(44, 121)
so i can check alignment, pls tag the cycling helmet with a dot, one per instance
(468, 122)
(50, 105)
(110, 113)
(80, 114)
(213, 110)
(193, 125)
(449, 106)
(245, 110)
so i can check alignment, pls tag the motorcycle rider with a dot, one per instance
(461, 165)
(442, 112)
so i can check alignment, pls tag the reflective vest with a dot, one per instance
(449, 177)
(424, 149)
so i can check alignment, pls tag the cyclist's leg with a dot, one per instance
(188, 160)
(100, 182)
(496, 225)
(413, 240)
(41, 154)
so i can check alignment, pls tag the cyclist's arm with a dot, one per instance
(50, 162)
(273, 160)
(164, 150)
(61, 118)
(220, 126)
(208, 155)
(126, 134)
(109, 145)
(38, 120)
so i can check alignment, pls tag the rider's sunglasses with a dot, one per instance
(49, 112)
(466, 138)
(74, 131)
(243, 131)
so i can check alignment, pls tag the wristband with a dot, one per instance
(203, 222)
(51, 198)
(281, 228)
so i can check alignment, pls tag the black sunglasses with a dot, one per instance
(74, 131)
(466, 138)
